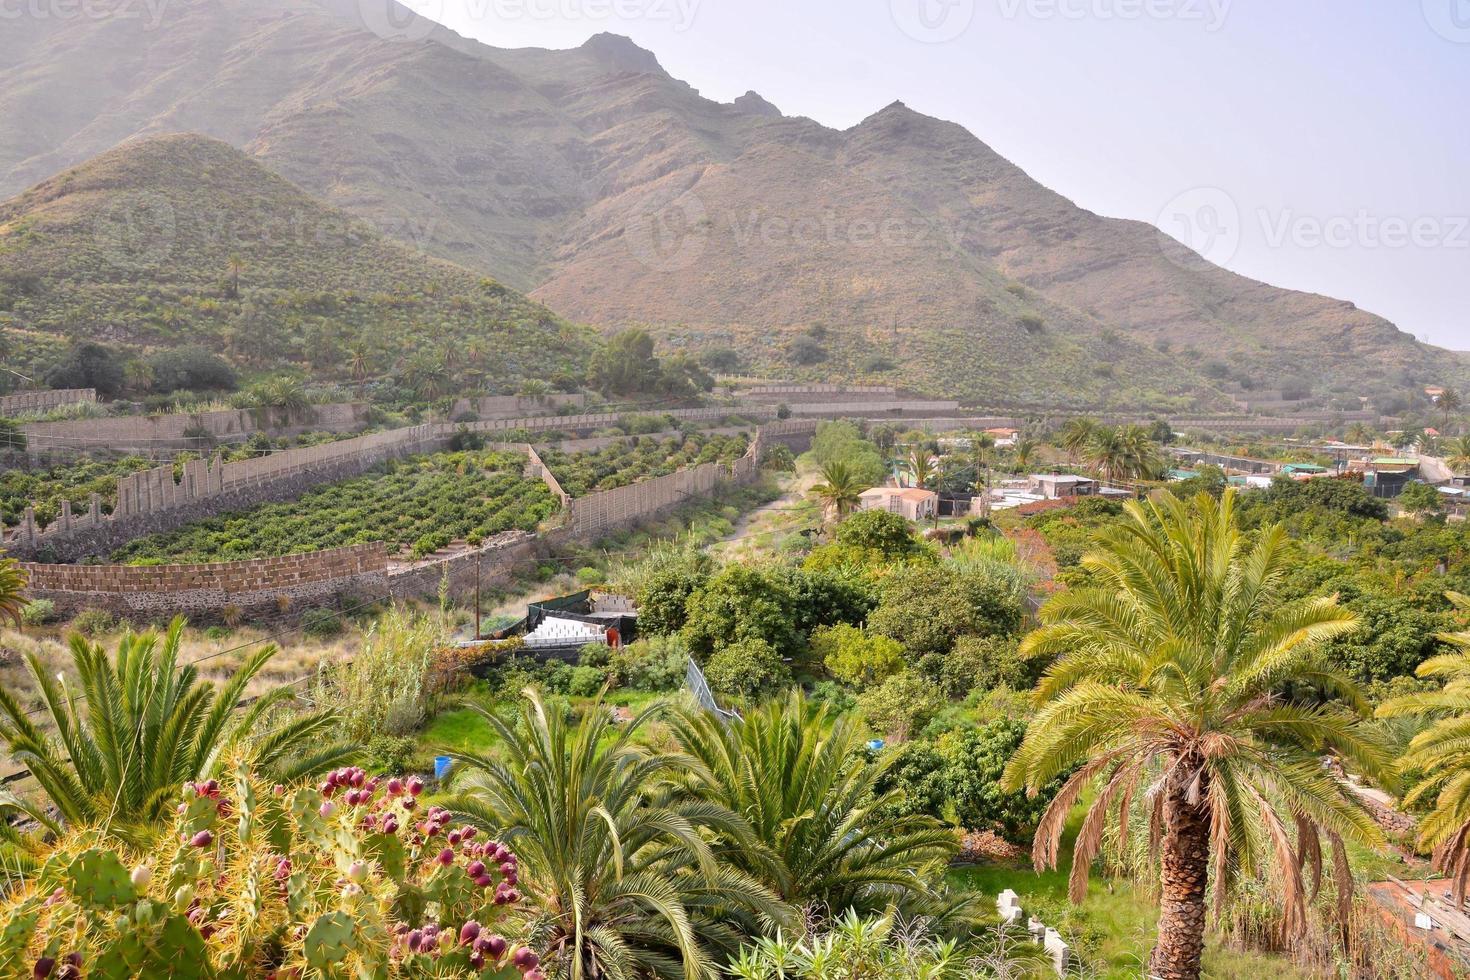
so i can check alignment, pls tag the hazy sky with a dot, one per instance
(1317, 144)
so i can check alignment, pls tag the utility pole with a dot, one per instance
(478, 555)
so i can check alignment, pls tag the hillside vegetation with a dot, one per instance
(181, 241)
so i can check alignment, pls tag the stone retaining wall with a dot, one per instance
(161, 591)
(44, 401)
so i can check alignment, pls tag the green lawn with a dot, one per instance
(1113, 929)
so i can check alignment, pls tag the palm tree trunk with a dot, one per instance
(1186, 872)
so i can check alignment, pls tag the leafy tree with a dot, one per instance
(89, 365)
(840, 490)
(913, 780)
(748, 670)
(664, 588)
(843, 442)
(825, 597)
(1286, 497)
(901, 705)
(742, 602)
(819, 833)
(625, 365)
(1169, 673)
(191, 368)
(1439, 752)
(974, 767)
(888, 537)
(805, 349)
(855, 657)
(927, 608)
(146, 725)
(980, 663)
(1396, 633)
(619, 873)
(1420, 498)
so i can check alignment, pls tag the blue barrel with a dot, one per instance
(441, 766)
(876, 745)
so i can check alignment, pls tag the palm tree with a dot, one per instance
(982, 443)
(13, 580)
(1123, 454)
(1448, 401)
(797, 776)
(1025, 449)
(1457, 454)
(920, 465)
(147, 724)
(1076, 436)
(618, 870)
(1440, 753)
(237, 266)
(359, 361)
(1169, 673)
(1359, 434)
(840, 490)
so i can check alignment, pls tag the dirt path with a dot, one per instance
(782, 514)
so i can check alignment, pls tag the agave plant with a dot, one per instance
(112, 751)
(618, 872)
(820, 834)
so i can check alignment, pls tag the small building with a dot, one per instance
(1059, 486)
(1003, 437)
(914, 503)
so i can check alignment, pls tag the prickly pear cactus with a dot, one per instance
(351, 878)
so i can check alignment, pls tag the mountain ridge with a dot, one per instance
(556, 171)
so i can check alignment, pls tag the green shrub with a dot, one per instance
(747, 670)
(585, 682)
(587, 575)
(654, 663)
(322, 623)
(94, 622)
(38, 612)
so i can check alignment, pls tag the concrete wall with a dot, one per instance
(791, 394)
(44, 401)
(199, 431)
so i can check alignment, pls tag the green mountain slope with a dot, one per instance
(179, 240)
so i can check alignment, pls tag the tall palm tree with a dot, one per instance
(12, 588)
(982, 443)
(114, 750)
(920, 465)
(1448, 401)
(1077, 435)
(1170, 673)
(840, 490)
(797, 776)
(1440, 753)
(619, 872)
